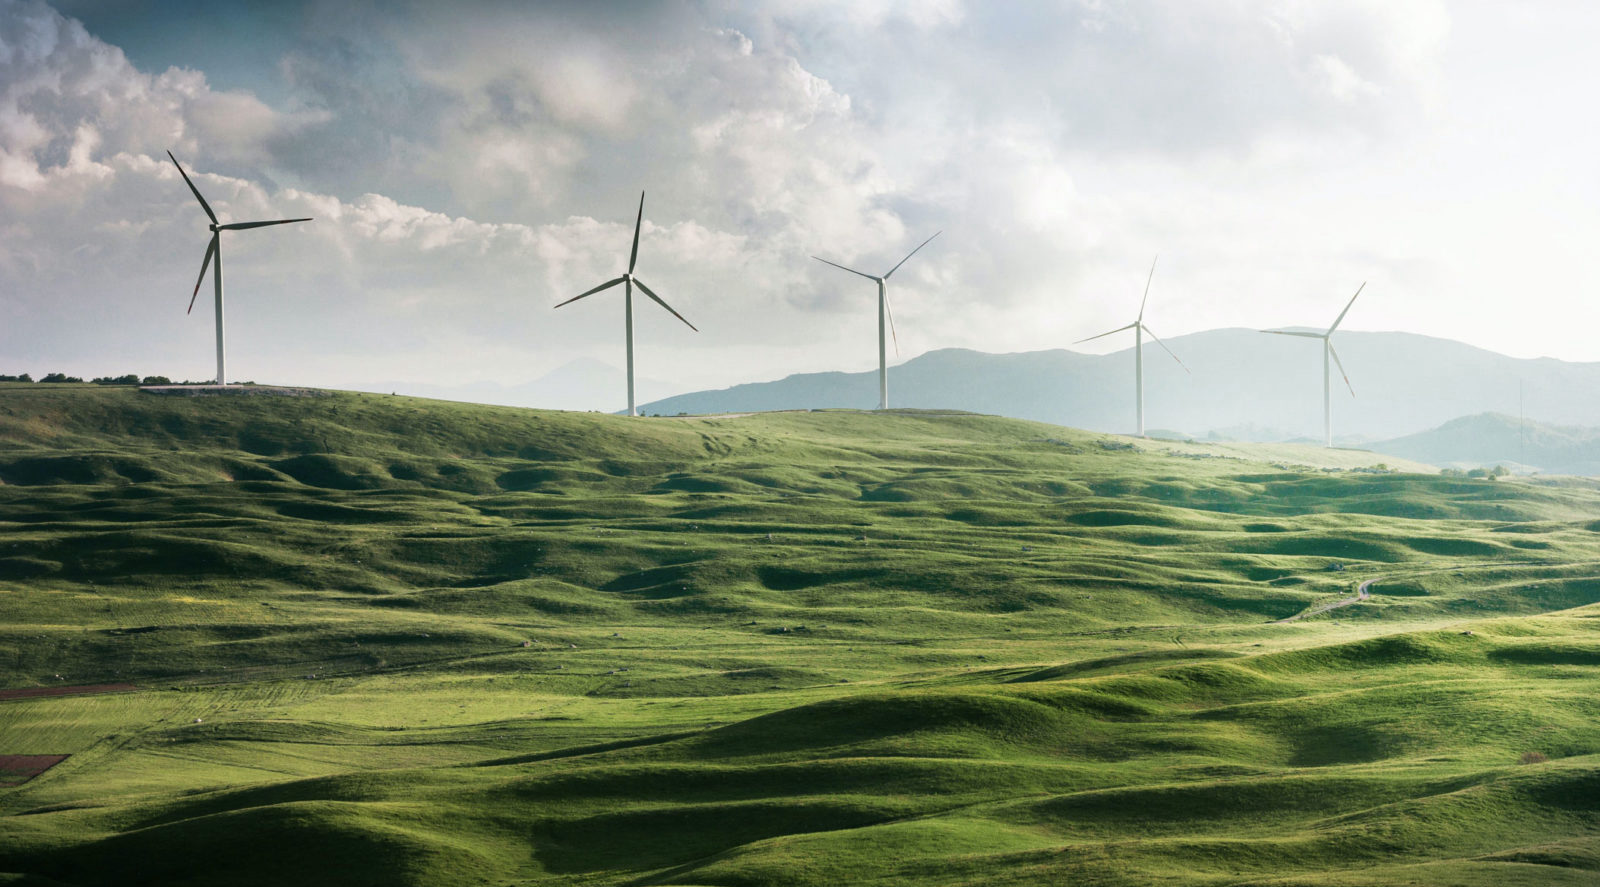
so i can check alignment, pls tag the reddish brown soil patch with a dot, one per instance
(30, 692)
(17, 769)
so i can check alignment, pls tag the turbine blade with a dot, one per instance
(1166, 349)
(637, 224)
(240, 226)
(910, 254)
(604, 286)
(662, 303)
(203, 205)
(843, 268)
(1347, 308)
(1340, 364)
(1103, 335)
(1296, 333)
(211, 250)
(1147, 288)
(890, 311)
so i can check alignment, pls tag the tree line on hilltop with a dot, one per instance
(129, 379)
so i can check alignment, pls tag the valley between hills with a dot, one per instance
(367, 639)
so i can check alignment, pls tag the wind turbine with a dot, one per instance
(884, 313)
(1139, 329)
(629, 282)
(1327, 352)
(215, 249)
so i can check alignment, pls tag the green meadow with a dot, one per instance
(375, 640)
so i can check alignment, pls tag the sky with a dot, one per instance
(471, 165)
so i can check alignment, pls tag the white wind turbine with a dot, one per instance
(214, 249)
(884, 315)
(629, 282)
(1327, 352)
(1139, 329)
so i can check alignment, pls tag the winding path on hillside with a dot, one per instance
(1363, 590)
(1362, 593)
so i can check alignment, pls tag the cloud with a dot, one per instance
(470, 167)
(59, 85)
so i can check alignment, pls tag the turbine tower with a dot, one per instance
(214, 249)
(1327, 352)
(629, 282)
(1139, 329)
(884, 315)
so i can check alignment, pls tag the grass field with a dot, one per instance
(379, 640)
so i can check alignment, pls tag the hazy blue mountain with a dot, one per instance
(1243, 385)
(1491, 439)
(579, 385)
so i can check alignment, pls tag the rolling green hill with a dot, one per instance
(360, 639)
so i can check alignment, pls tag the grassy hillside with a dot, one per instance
(360, 639)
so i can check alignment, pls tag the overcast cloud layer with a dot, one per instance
(469, 167)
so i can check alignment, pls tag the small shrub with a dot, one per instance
(1532, 757)
(155, 380)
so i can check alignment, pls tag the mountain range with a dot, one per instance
(1239, 384)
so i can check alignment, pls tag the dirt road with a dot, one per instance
(1362, 593)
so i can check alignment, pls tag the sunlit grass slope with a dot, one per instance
(379, 640)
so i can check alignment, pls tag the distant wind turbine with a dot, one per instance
(884, 314)
(214, 249)
(1139, 329)
(629, 282)
(1327, 352)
